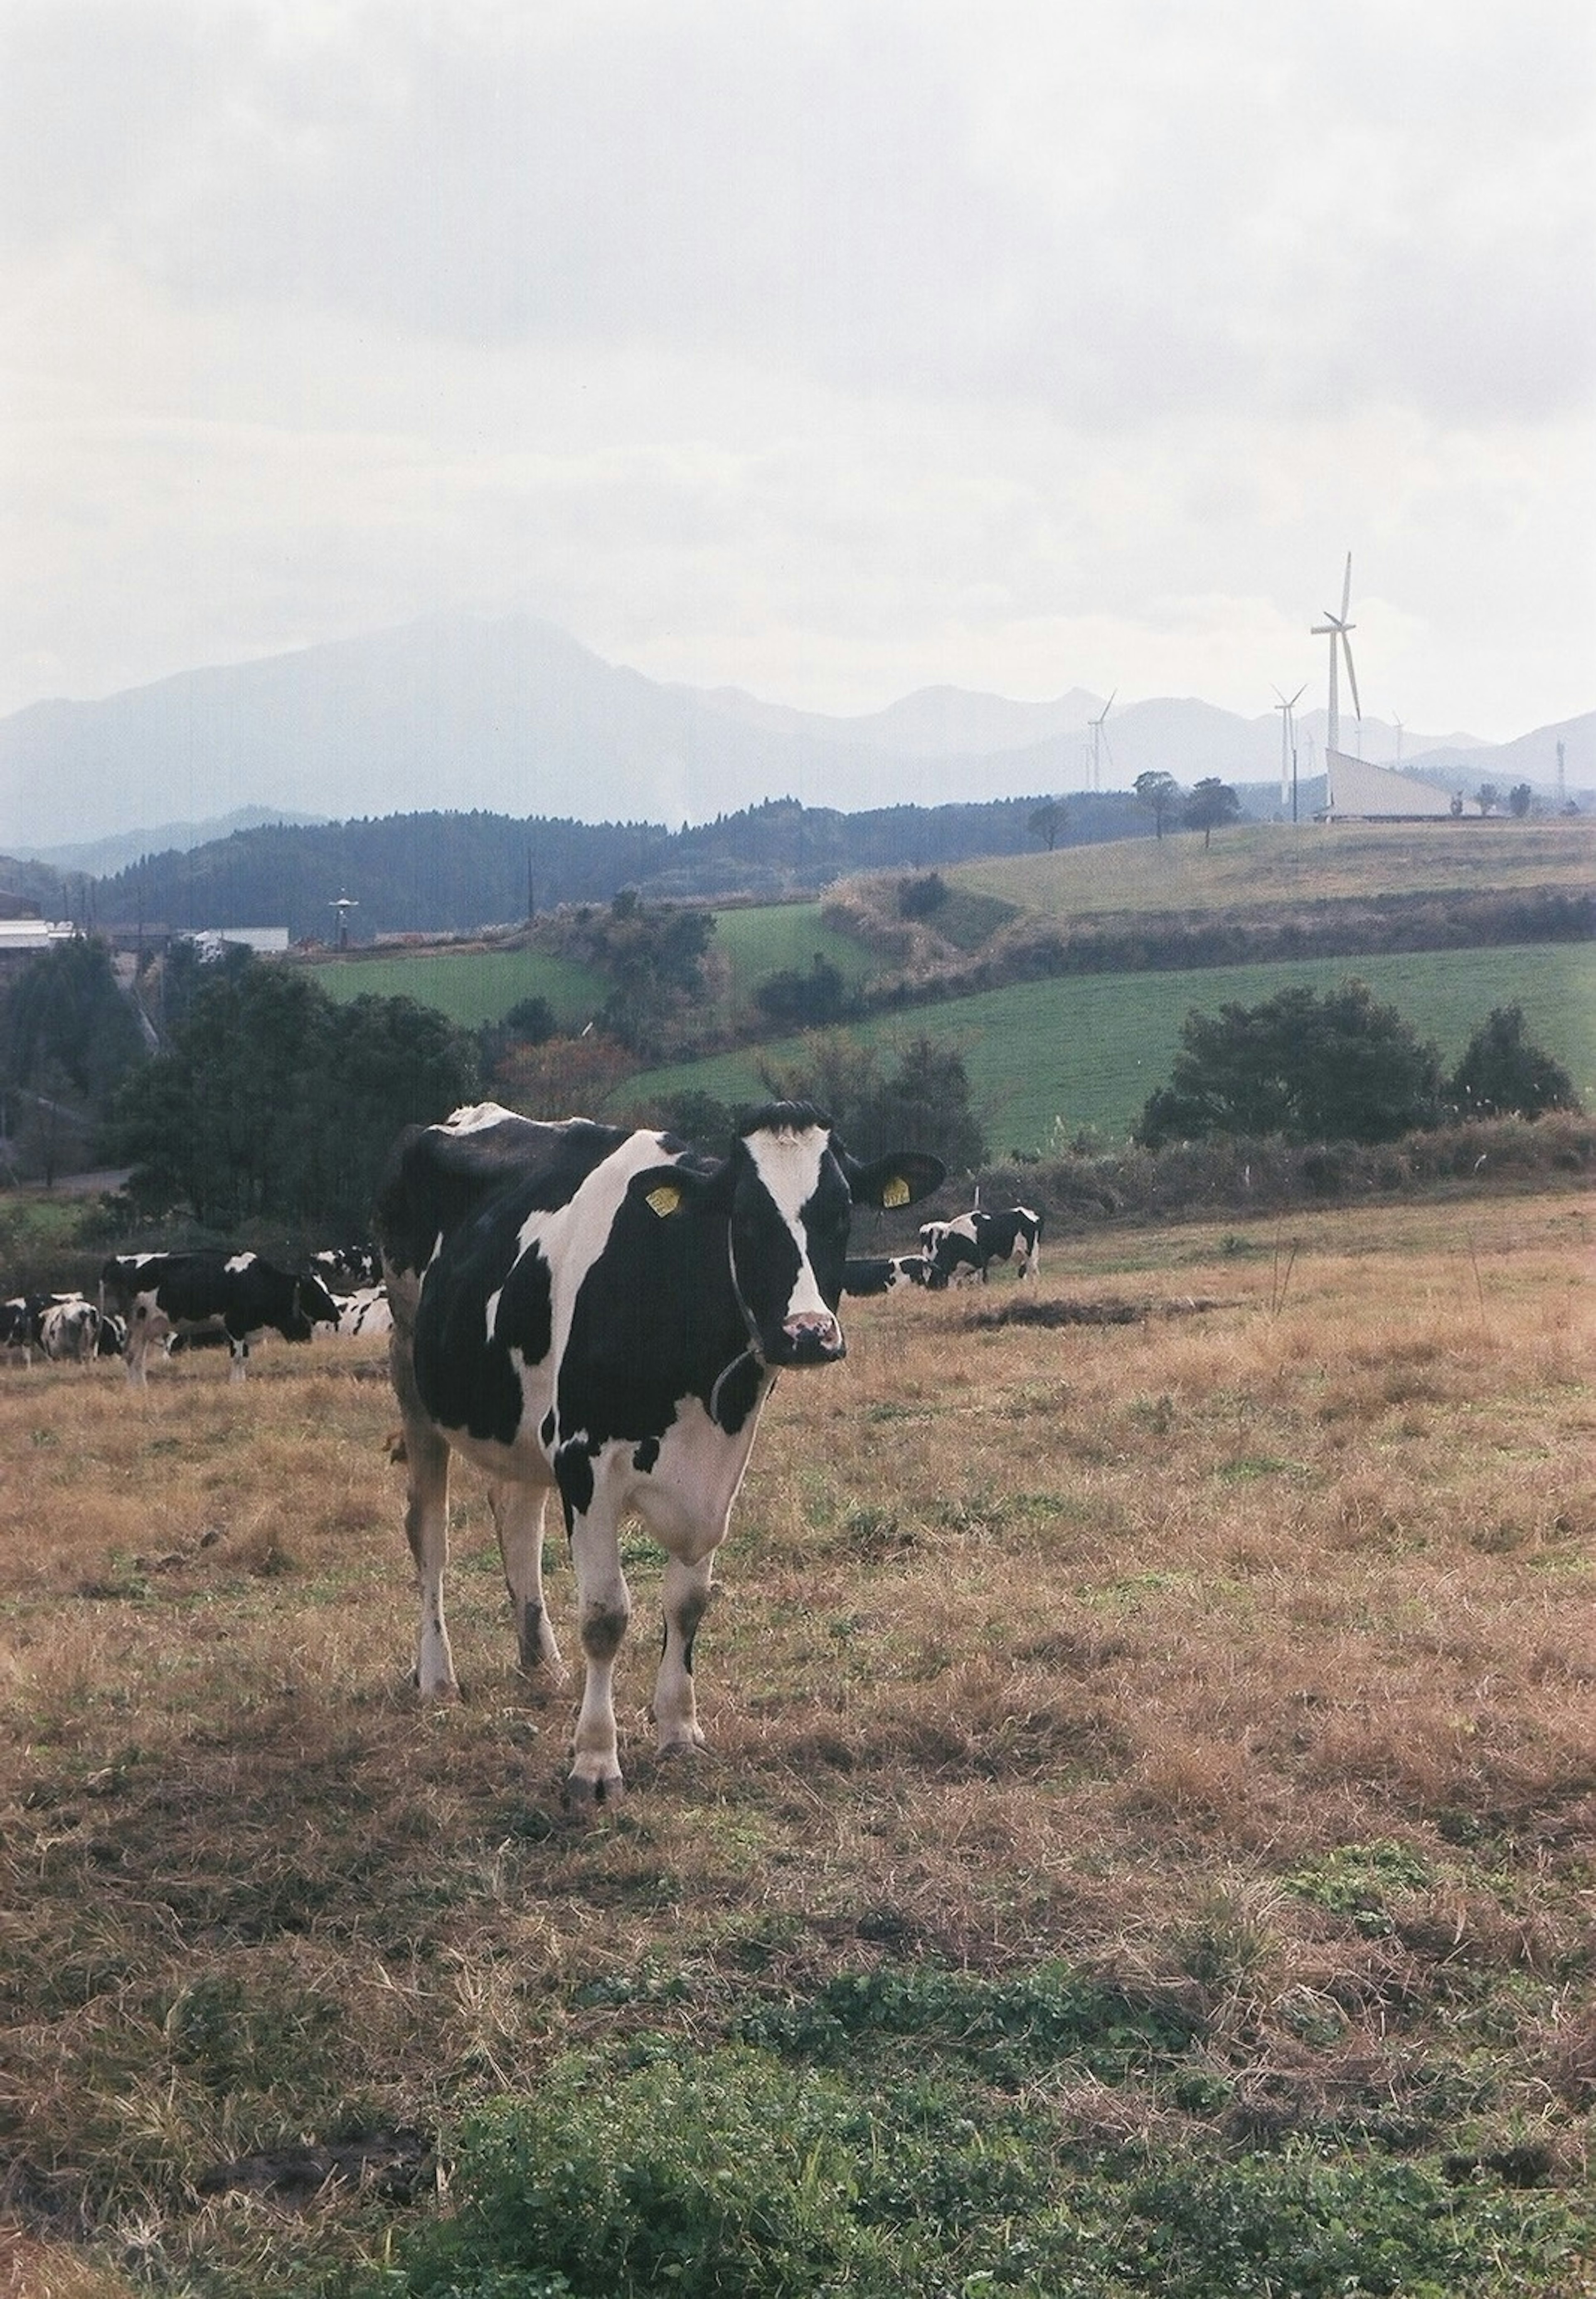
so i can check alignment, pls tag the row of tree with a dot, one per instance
(269, 1104)
(1340, 1066)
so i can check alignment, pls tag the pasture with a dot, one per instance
(477, 985)
(1268, 866)
(1086, 1050)
(1146, 1844)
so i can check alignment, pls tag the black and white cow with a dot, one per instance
(215, 1292)
(601, 1314)
(964, 1250)
(885, 1274)
(18, 1325)
(69, 1328)
(345, 1269)
(366, 1312)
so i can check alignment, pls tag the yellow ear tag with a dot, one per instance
(666, 1199)
(896, 1193)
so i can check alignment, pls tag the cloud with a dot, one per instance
(877, 342)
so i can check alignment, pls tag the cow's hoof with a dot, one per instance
(586, 1798)
(670, 1750)
(447, 1695)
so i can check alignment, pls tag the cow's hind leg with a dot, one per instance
(687, 1596)
(427, 1530)
(518, 1516)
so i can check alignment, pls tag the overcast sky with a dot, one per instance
(827, 351)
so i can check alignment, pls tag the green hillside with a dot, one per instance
(1088, 1050)
(471, 986)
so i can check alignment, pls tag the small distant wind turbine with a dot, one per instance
(1100, 741)
(1288, 749)
(1334, 627)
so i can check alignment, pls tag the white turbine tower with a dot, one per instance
(1288, 749)
(1100, 741)
(1336, 628)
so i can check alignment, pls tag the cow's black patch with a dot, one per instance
(466, 1374)
(645, 1456)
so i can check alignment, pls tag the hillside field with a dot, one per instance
(1087, 1049)
(1280, 865)
(476, 986)
(1146, 1844)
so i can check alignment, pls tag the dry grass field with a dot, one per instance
(1236, 1660)
(1266, 863)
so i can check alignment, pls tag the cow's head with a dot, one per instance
(785, 1195)
(313, 1306)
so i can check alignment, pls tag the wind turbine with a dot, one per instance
(1334, 627)
(1288, 749)
(1098, 739)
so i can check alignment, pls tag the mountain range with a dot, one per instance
(515, 716)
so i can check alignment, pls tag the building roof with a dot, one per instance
(1365, 793)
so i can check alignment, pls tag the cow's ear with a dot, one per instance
(668, 1191)
(901, 1179)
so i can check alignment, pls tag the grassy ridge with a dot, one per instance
(1272, 865)
(1088, 1050)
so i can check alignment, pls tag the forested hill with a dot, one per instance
(453, 873)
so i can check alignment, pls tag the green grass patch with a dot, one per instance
(783, 937)
(471, 986)
(1088, 1050)
(720, 2172)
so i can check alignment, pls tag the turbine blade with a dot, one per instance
(1351, 674)
(1346, 588)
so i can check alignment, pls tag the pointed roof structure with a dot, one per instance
(1357, 792)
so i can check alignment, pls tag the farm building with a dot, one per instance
(1356, 792)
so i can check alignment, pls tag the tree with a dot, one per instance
(1159, 792)
(273, 1103)
(1048, 822)
(1520, 799)
(812, 1001)
(1487, 797)
(1501, 1074)
(924, 1105)
(1335, 1067)
(65, 1013)
(1209, 806)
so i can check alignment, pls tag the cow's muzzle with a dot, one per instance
(813, 1337)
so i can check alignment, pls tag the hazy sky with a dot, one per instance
(828, 351)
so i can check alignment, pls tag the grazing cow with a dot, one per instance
(231, 1295)
(69, 1328)
(18, 1325)
(365, 1312)
(601, 1314)
(884, 1275)
(346, 1269)
(962, 1250)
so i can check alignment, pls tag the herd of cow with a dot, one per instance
(158, 1301)
(576, 1309)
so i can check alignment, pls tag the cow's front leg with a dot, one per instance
(427, 1530)
(687, 1598)
(518, 1516)
(604, 1606)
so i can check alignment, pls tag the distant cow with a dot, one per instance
(18, 1325)
(885, 1274)
(69, 1328)
(345, 1269)
(965, 1249)
(232, 1295)
(365, 1312)
(601, 1314)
